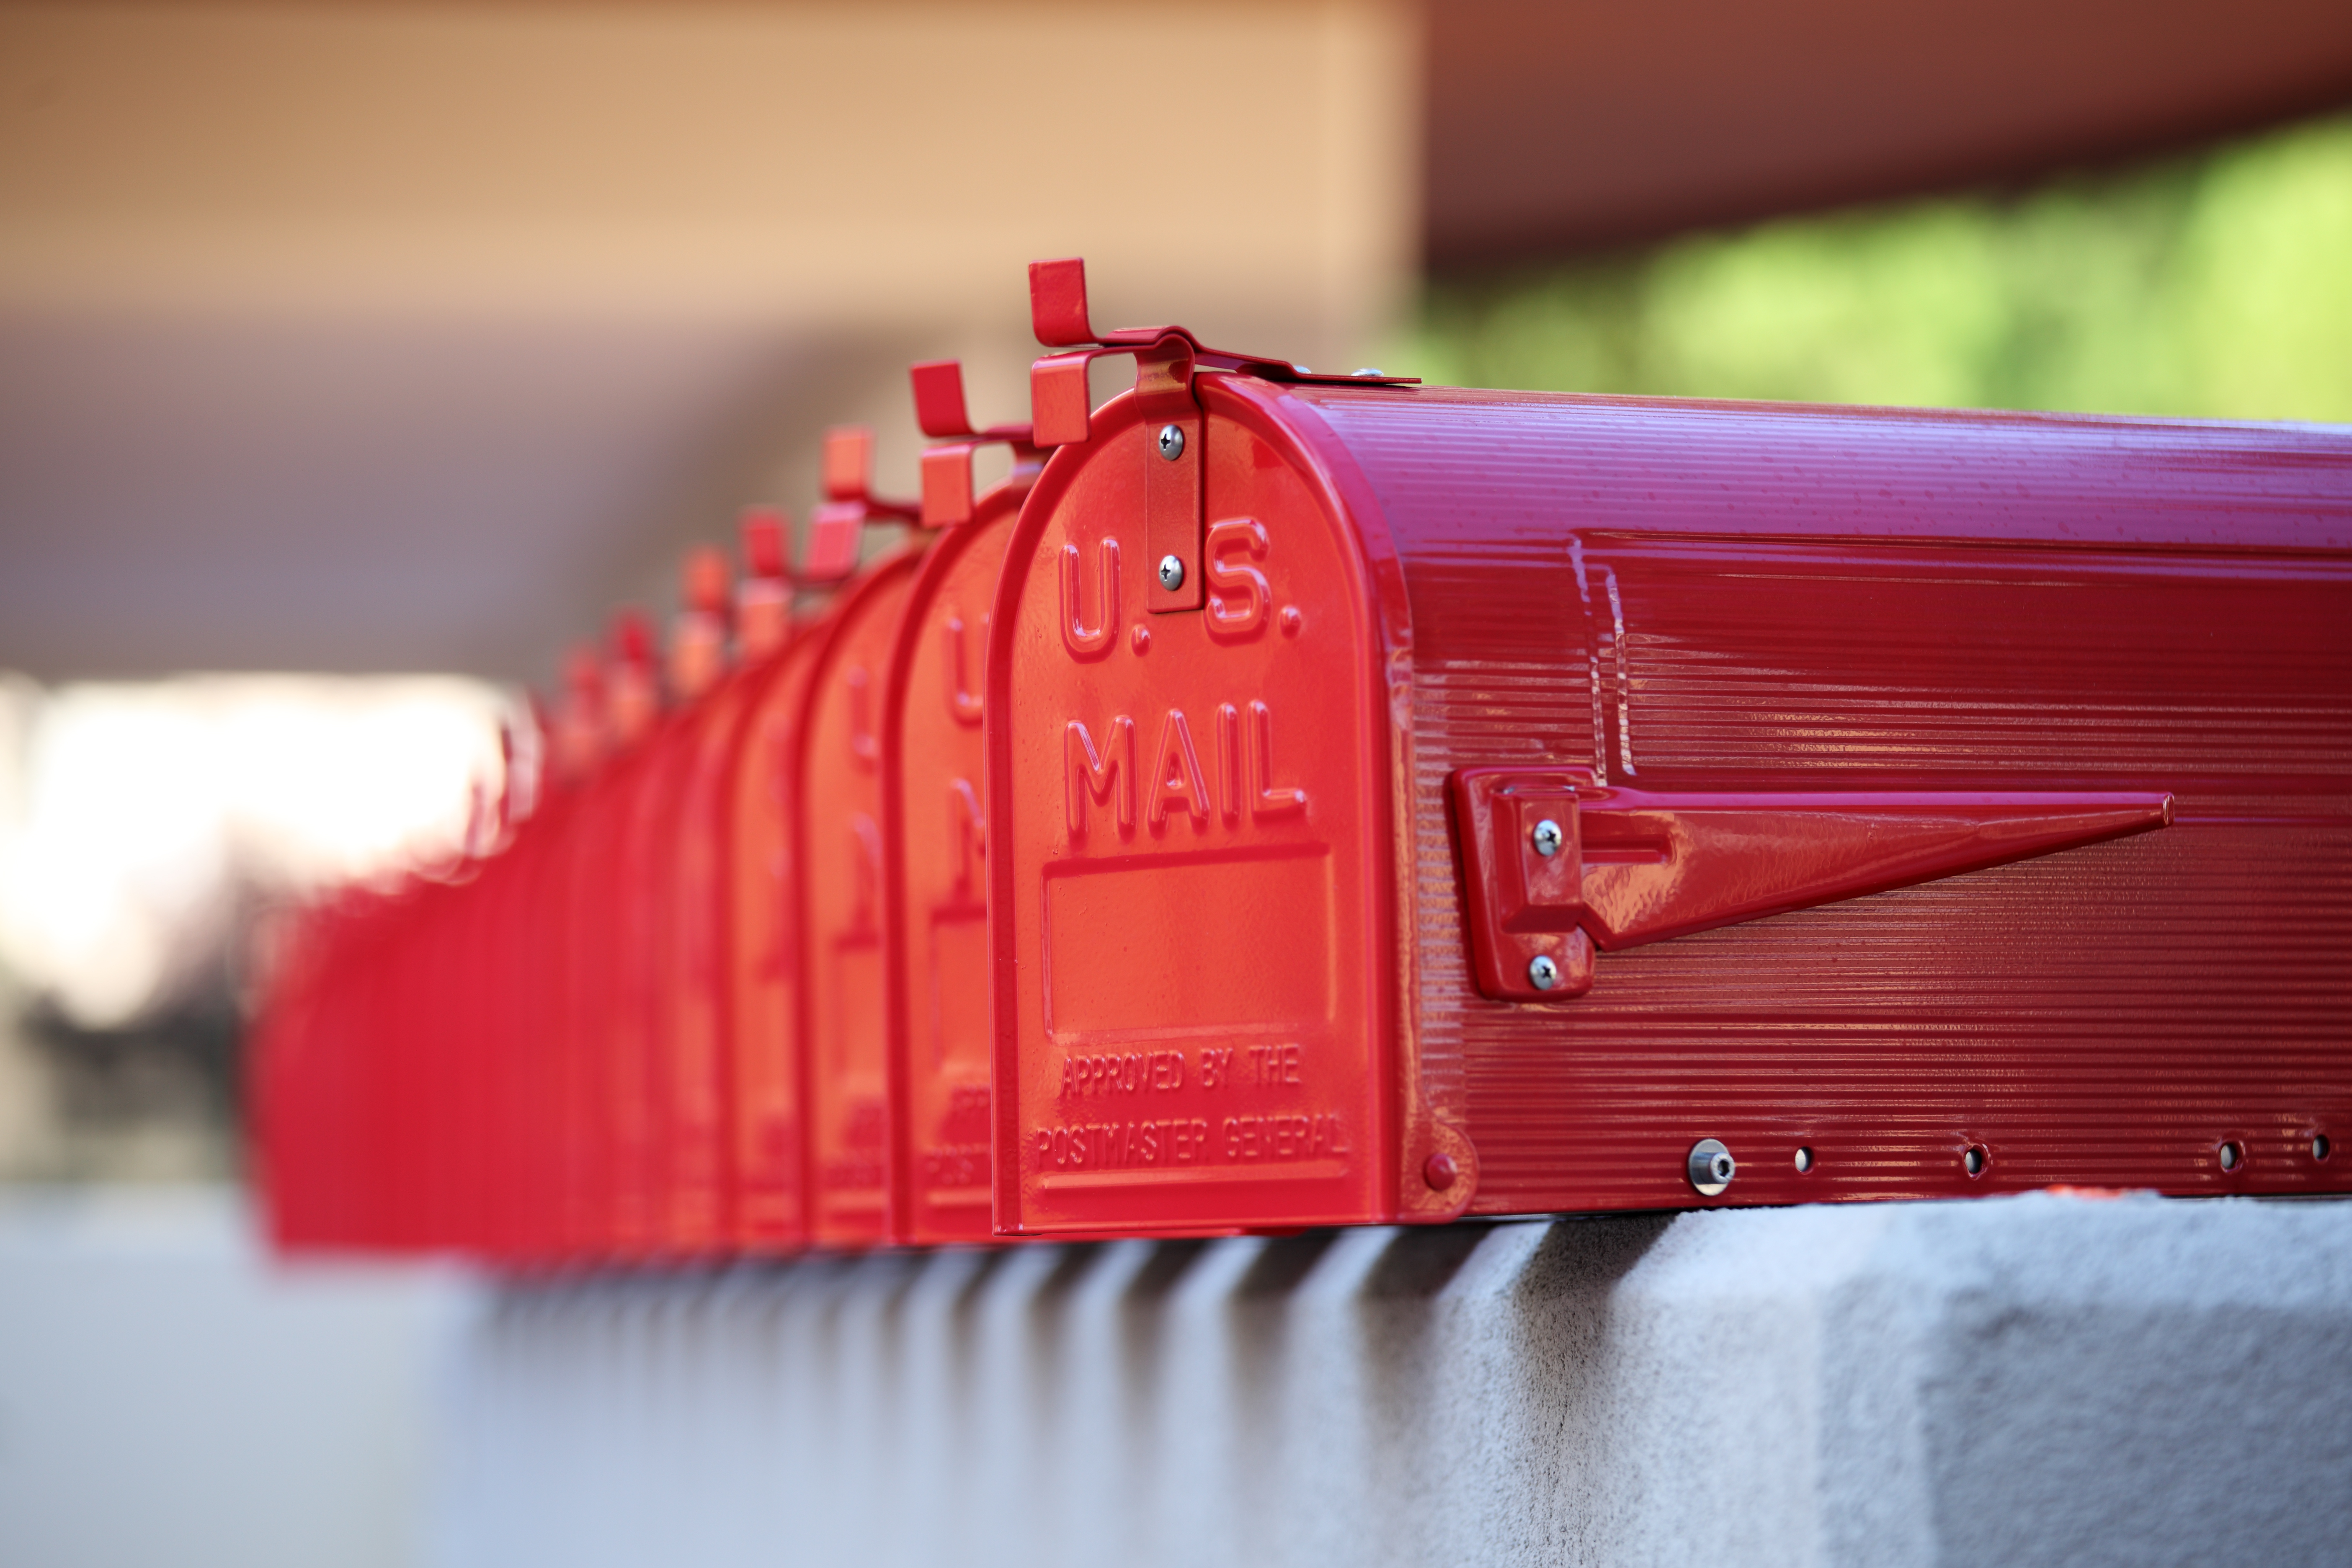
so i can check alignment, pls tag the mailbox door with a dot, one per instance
(935, 843)
(1808, 610)
(1189, 848)
(840, 846)
(763, 953)
(694, 993)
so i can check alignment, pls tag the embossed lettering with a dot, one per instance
(866, 880)
(1274, 1065)
(967, 836)
(1216, 1065)
(865, 747)
(966, 1120)
(860, 1166)
(1089, 773)
(956, 1165)
(1251, 1138)
(964, 702)
(1244, 616)
(1176, 772)
(1266, 799)
(1107, 1145)
(1229, 760)
(1129, 1072)
(1084, 640)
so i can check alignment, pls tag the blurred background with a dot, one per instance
(357, 356)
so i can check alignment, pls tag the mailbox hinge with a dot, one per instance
(948, 499)
(837, 526)
(1174, 447)
(1558, 865)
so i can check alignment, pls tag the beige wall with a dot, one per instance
(809, 163)
(772, 207)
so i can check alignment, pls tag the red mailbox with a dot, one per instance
(565, 970)
(606, 962)
(767, 1068)
(836, 788)
(1410, 802)
(696, 993)
(934, 829)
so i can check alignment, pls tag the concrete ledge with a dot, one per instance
(2006, 1382)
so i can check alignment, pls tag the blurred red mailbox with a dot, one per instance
(627, 846)
(935, 827)
(687, 1023)
(760, 934)
(1405, 802)
(836, 784)
(698, 993)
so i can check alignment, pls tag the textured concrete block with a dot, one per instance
(2036, 1380)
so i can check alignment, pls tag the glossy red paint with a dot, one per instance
(1423, 803)
(636, 789)
(837, 786)
(783, 1115)
(934, 833)
(687, 1032)
(763, 952)
(1556, 864)
(1771, 657)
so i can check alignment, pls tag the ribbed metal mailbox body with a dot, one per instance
(1916, 804)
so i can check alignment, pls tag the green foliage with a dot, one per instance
(2219, 287)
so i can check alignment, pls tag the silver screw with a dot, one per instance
(1171, 571)
(1171, 442)
(1710, 1167)
(1547, 838)
(1542, 973)
(2229, 1156)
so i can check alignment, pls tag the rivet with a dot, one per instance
(2231, 1155)
(1171, 442)
(1547, 838)
(1171, 571)
(1440, 1171)
(1804, 1161)
(2319, 1145)
(1369, 370)
(1140, 637)
(1710, 1167)
(1974, 1159)
(1542, 973)
(1291, 620)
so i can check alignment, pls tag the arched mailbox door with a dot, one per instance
(1562, 803)
(935, 844)
(766, 1102)
(1190, 838)
(935, 829)
(839, 788)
